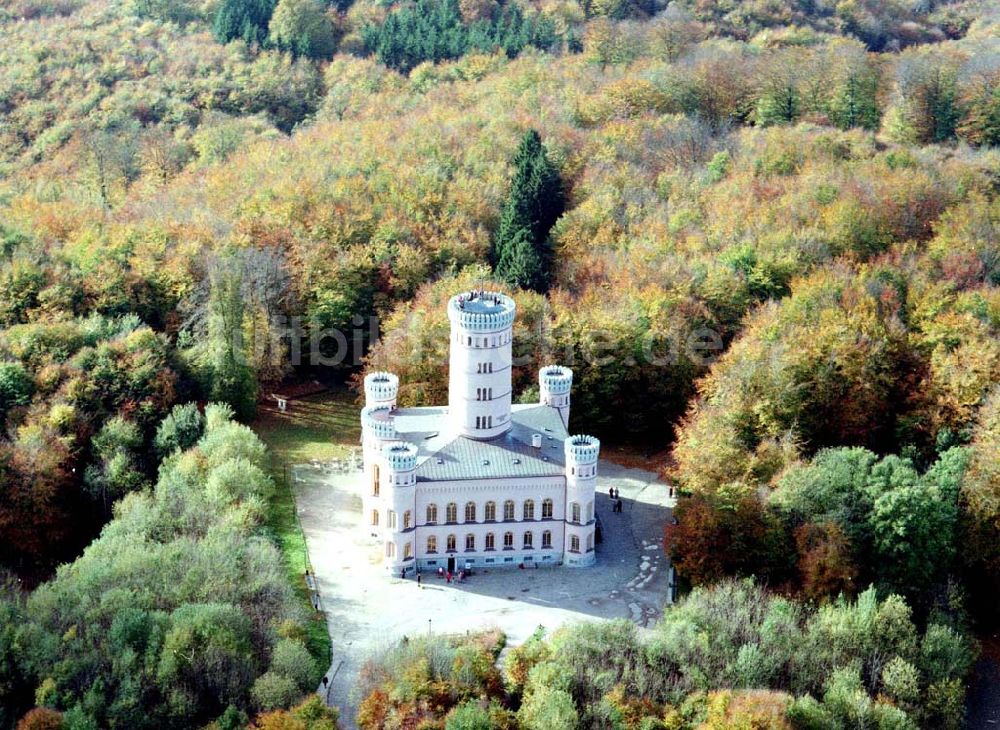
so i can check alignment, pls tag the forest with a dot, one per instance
(765, 235)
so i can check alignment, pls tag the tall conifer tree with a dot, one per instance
(521, 251)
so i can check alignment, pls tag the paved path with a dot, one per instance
(368, 611)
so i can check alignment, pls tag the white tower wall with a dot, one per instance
(582, 453)
(398, 493)
(479, 376)
(378, 429)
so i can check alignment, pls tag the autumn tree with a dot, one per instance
(980, 124)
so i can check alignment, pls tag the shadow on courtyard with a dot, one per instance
(368, 611)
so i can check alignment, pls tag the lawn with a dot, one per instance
(319, 427)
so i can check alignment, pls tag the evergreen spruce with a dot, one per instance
(245, 19)
(433, 30)
(521, 252)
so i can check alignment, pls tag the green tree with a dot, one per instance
(180, 429)
(913, 526)
(243, 19)
(854, 99)
(16, 386)
(118, 469)
(548, 709)
(521, 251)
(470, 715)
(302, 27)
(232, 379)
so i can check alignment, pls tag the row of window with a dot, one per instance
(390, 550)
(484, 368)
(390, 519)
(484, 394)
(492, 341)
(451, 513)
(527, 542)
(527, 511)
(484, 421)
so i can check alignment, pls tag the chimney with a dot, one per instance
(536, 440)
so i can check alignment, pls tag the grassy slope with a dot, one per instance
(319, 427)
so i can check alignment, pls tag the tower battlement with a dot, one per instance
(400, 456)
(555, 380)
(582, 449)
(482, 311)
(377, 421)
(381, 389)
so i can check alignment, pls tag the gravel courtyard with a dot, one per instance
(367, 610)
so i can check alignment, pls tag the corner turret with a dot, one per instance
(554, 385)
(399, 479)
(381, 389)
(582, 454)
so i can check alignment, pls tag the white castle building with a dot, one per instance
(480, 482)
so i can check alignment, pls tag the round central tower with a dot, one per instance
(479, 377)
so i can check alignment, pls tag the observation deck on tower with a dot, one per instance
(482, 311)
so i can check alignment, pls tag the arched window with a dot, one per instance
(547, 539)
(470, 511)
(374, 518)
(574, 544)
(407, 551)
(590, 511)
(590, 542)
(491, 511)
(470, 542)
(575, 511)
(390, 520)
(451, 513)
(546, 509)
(407, 520)
(529, 509)
(450, 544)
(390, 550)
(432, 514)
(491, 541)
(508, 541)
(432, 544)
(528, 540)
(508, 510)
(375, 480)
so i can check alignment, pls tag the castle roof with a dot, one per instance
(445, 456)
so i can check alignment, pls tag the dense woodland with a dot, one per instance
(730, 656)
(766, 236)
